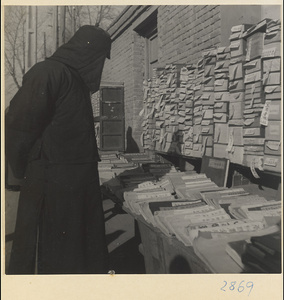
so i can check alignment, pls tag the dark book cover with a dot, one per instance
(270, 241)
(265, 261)
(216, 169)
(263, 266)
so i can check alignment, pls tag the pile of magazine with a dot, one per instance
(185, 204)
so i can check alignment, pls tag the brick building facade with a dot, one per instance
(168, 34)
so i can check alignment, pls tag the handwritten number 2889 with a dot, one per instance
(240, 288)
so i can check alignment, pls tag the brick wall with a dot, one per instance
(126, 65)
(183, 33)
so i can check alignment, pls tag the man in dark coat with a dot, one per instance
(50, 142)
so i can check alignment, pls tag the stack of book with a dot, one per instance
(271, 115)
(174, 222)
(189, 98)
(147, 191)
(259, 254)
(253, 127)
(112, 164)
(235, 146)
(221, 104)
(197, 110)
(192, 185)
(137, 158)
(257, 209)
(147, 113)
(186, 204)
(227, 105)
(158, 169)
(207, 98)
(133, 179)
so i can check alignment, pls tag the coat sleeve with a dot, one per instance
(30, 111)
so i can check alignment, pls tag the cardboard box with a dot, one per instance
(272, 163)
(273, 131)
(272, 148)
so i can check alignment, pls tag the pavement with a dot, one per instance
(121, 233)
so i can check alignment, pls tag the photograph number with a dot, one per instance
(233, 285)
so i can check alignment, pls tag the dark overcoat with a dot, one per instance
(50, 142)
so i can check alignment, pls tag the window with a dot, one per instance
(151, 55)
(148, 29)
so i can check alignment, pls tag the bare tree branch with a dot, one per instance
(11, 71)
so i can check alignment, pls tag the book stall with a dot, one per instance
(205, 128)
(186, 216)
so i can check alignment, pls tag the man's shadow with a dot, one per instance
(131, 145)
